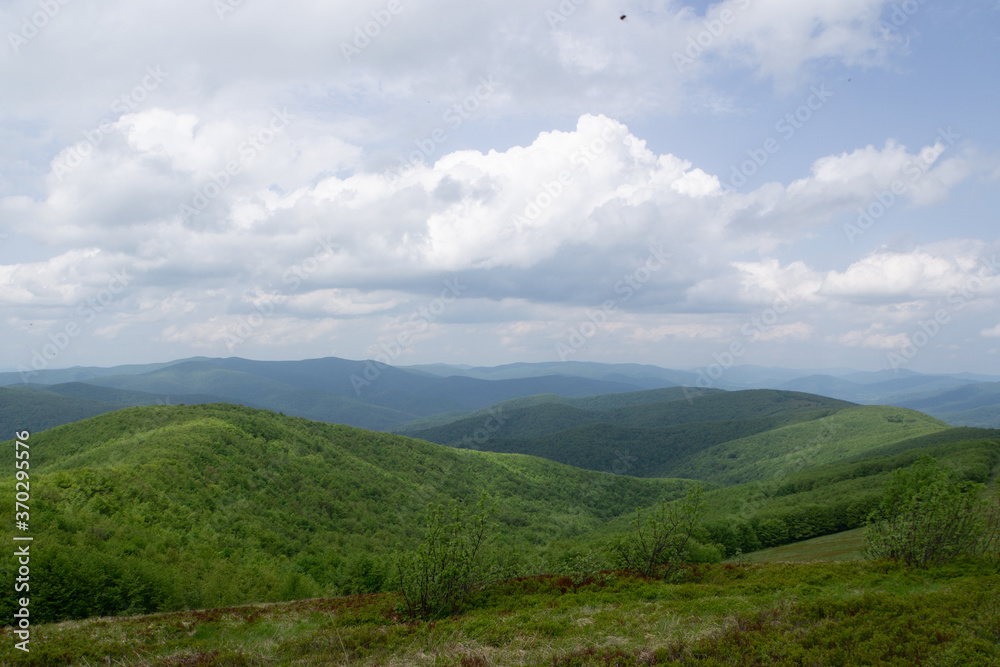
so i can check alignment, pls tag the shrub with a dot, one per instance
(661, 541)
(450, 565)
(927, 516)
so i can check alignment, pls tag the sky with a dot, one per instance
(773, 182)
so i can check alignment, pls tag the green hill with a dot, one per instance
(421, 427)
(724, 437)
(159, 508)
(537, 416)
(176, 507)
(845, 434)
(799, 504)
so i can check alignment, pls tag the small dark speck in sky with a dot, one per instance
(622, 17)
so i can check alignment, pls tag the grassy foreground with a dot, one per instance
(848, 613)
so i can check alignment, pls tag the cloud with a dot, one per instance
(531, 222)
(874, 337)
(934, 272)
(991, 333)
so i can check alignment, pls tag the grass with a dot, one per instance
(754, 614)
(844, 546)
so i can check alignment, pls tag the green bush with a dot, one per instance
(440, 576)
(927, 516)
(660, 542)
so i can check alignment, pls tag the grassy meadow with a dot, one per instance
(726, 614)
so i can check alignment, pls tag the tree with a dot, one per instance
(450, 565)
(660, 542)
(927, 516)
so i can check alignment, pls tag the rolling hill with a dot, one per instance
(974, 404)
(175, 507)
(718, 437)
(406, 399)
(334, 390)
(157, 508)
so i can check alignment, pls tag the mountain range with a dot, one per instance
(371, 395)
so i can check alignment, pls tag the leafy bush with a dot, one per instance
(927, 516)
(441, 574)
(661, 541)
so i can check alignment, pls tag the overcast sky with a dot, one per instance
(777, 182)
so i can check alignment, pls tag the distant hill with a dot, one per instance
(32, 409)
(36, 408)
(638, 375)
(723, 437)
(600, 402)
(974, 404)
(650, 409)
(81, 373)
(357, 393)
(875, 389)
(406, 398)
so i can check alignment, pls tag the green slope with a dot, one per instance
(158, 508)
(848, 433)
(721, 437)
(646, 409)
(420, 428)
(800, 504)
(642, 452)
